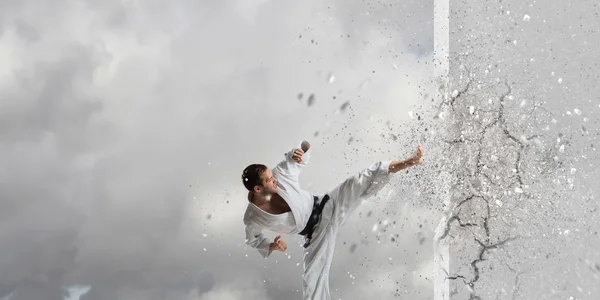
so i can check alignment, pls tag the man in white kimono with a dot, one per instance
(278, 203)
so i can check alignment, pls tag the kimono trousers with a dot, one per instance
(344, 198)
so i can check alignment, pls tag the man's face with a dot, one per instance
(269, 182)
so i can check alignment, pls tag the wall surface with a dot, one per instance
(521, 112)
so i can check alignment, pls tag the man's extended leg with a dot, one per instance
(344, 199)
(347, 196)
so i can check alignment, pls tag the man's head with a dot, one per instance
(259, 179)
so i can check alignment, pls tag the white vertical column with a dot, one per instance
(441, 16)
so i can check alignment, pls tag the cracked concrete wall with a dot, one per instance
(520, 137)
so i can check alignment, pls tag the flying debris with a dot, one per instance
(331, 78)
(526, 18)
(363, 85)
(311, 100)
(352, 248)
(344, 106)
(375, 227)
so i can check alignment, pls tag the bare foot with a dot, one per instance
(398, 165)
(418, 157)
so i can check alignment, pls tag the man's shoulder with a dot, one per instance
(249, 209)
(248, 215)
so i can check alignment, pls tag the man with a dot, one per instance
(278, 203)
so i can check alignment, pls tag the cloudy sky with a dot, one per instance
(124, 126)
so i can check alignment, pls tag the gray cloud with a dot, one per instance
(123, 126)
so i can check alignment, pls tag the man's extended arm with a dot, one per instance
(291, 167)
(256, 239)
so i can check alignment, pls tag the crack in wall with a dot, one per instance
(491, 150)
(448, 223)
(517, 284)
(480, 173)
(484, 247)
(457, 94)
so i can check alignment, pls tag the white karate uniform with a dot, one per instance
(300, 201)
(344, 198)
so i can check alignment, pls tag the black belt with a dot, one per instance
(314, 218)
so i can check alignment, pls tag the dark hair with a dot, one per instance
(251, 176)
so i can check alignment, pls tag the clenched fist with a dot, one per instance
(278, 244)
(297, 155)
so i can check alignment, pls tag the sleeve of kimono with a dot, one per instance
(256, 239)
(289, 166)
